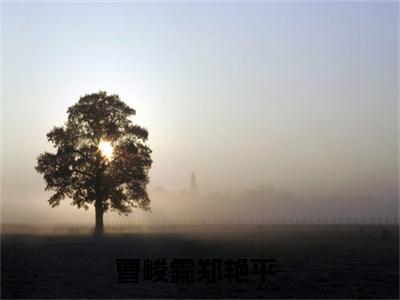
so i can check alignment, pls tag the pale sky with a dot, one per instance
(302, 96)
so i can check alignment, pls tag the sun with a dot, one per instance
(106, 149)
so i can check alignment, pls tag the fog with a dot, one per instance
(262, 204)
(283, 111)
(269, 205)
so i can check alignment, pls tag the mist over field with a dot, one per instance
(263, 204)
(267, 204)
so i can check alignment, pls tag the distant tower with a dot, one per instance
(193, 184)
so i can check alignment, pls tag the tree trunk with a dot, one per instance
(99, 229)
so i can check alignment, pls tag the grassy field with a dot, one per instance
(326, 261)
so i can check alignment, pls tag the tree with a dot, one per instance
(101, 158)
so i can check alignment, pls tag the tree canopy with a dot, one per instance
(80, 171)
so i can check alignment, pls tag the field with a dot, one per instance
(312, 261)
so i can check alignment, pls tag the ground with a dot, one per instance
(312, 261)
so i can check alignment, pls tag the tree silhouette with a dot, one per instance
(81, 171)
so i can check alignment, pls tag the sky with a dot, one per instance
(301, 96)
